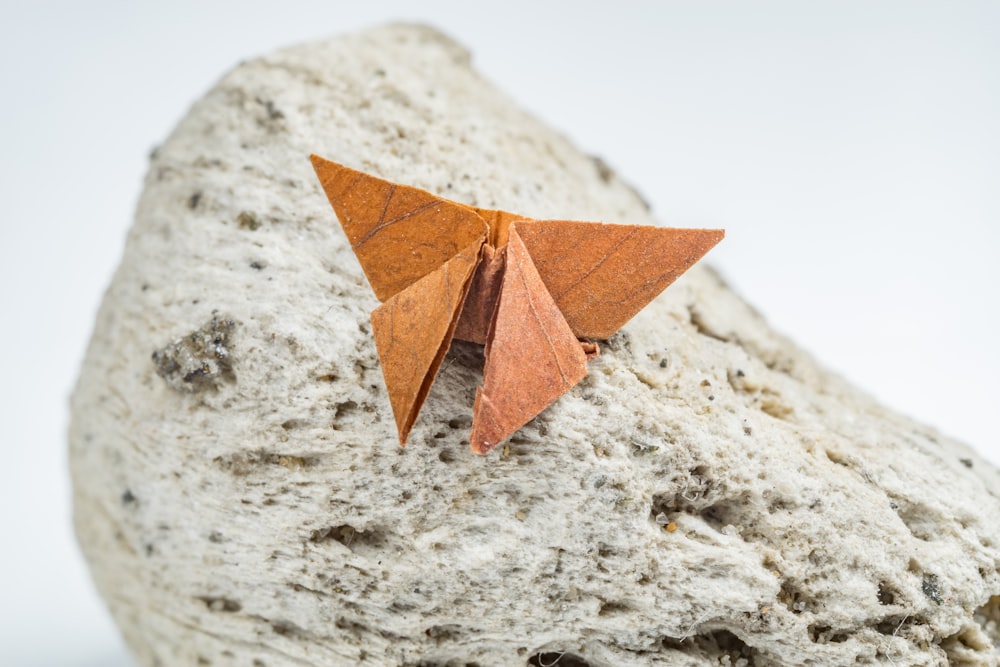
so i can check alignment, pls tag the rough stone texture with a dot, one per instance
(707, 495)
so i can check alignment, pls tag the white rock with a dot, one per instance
(708, 495)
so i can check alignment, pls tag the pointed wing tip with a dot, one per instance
(695, 240)
(316, 160)
(328, 169)
(709, 238)
(478, 442)
(712, 235)
(481, 447)
(403, 431)
(321, 165)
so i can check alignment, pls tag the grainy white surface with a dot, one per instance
(269, 516)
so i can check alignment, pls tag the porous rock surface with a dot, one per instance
(707, 495)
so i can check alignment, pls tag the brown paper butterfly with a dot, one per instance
(535, 292)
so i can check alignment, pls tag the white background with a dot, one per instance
(851, 150)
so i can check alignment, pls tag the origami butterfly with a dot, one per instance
(534, 292)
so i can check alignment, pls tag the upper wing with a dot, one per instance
(602, 275)
(399, 233)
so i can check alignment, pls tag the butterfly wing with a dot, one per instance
(413, 330)
(601, 275)
(399, 233)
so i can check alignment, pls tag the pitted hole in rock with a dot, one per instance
(793, 598)
(702, 326)
(249, 463)
(892, 626)
(620, 341)
(920, 519)
(838, 457)
(969, 646)
(772, 405)
(886, 594)
(343, 409)
(284, 628)
(358, 541)
(448, 632)
(557, 659)
(690, 494)
(462, 423)
(988, 618)
(222, 604)
(727, 512)
(824, 634)
(720, 644)
(975, 642)
(612, 608)
(353, 626)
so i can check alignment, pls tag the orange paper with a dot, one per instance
(533, 291)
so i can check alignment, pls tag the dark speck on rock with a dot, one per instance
(605, 172)
(200, 360)
(932, 588)
(248, 220)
